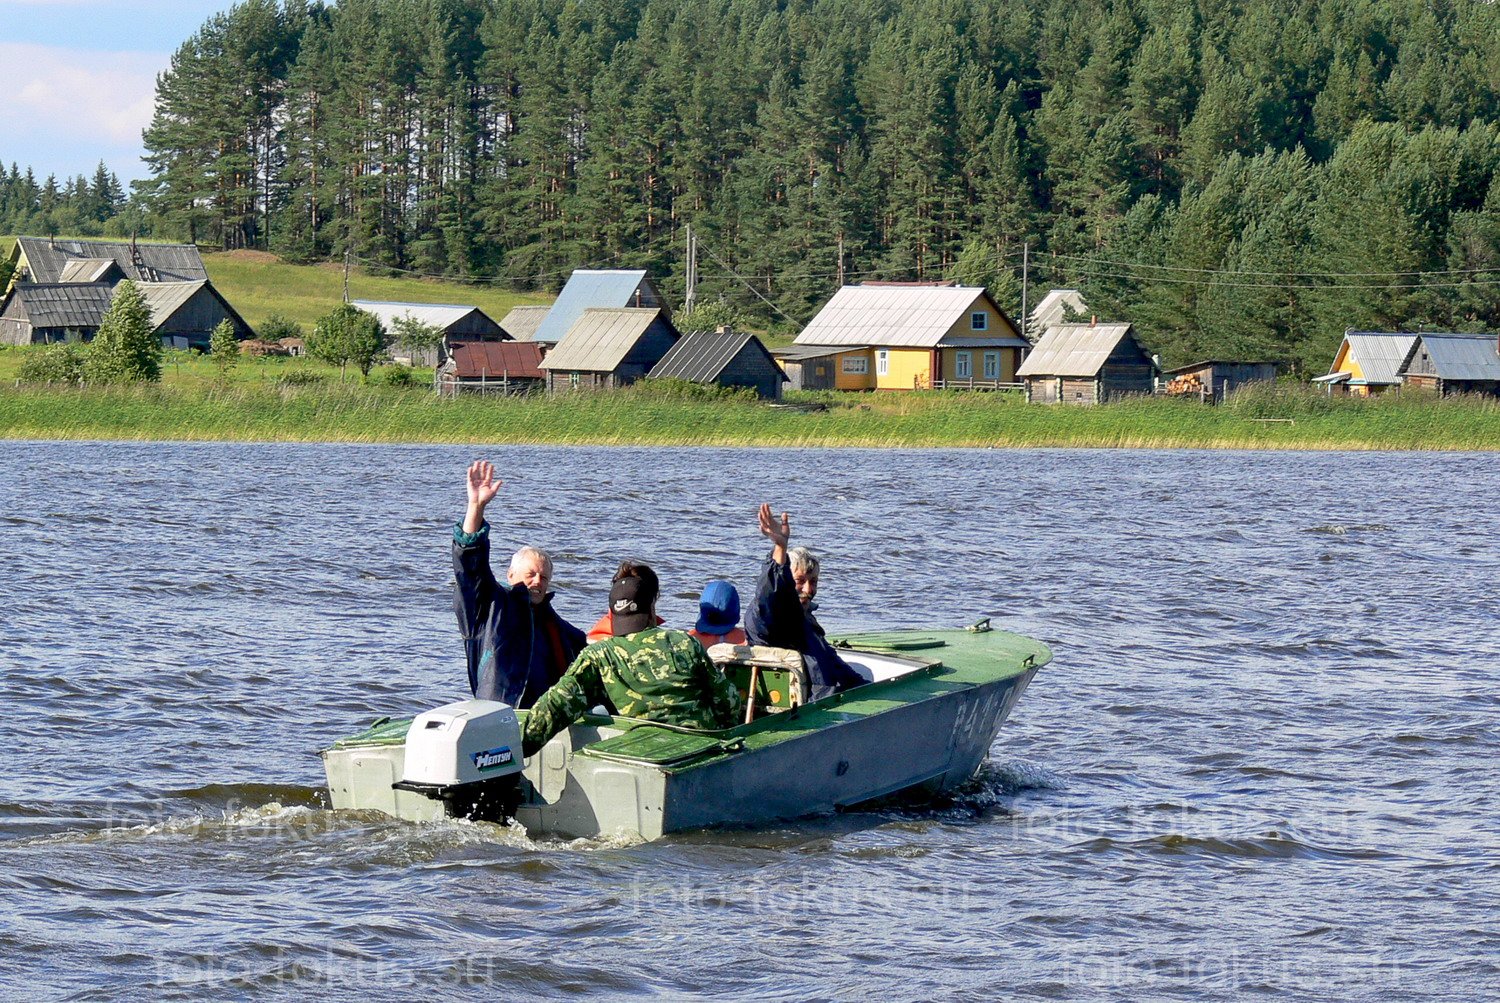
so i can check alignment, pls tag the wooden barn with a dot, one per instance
(588, 289)
(491, 367)
(916, 336)
(724, 357)
(608, 348)
(46, 259)
(1087, 364)
(47, 312)
(1368, 362)
(186, 313)
(457, 323)
(1454, 364)
(1215, 380)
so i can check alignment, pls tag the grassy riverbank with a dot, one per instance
(1273, 419)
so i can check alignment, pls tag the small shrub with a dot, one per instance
(279, 326)
(300, 378)
(675, 389)
(53, 364)
(396, 376)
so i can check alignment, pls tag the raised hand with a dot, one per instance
(482, 490)
(778, 532)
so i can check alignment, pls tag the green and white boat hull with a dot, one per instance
(926, 724)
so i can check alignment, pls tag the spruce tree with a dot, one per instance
(224, 348)
(126, 349)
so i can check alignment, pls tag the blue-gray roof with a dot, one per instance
(608, 288)
(1380, 355)
(1464, 356)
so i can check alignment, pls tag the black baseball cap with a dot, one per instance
(630, 602)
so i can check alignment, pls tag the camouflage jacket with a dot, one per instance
(654, 674)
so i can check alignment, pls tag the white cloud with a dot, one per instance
(65, 105)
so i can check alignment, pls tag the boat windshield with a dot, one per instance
(876, 668)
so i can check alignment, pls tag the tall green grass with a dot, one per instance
(353, 412)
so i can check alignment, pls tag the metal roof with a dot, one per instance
(1073, 350)
(64, 305)
(88, 270)
(517, 360)
(1380, 354)
(1054, 307)
(47, 258)
(1464, 356)
(438, 315)
(522, 321)
(702, 356)
(798, 353)
(588, 288)
(600, 339)
(894, 316)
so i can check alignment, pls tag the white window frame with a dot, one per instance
(882, 362)
(963, 365)
(979, 321)
(855, 365)
(992, 365)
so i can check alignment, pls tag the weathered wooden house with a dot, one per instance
(724, 357)
(814, 367)
(491, 367)
(184, 314)
(1087, 364)
(47, 312)
(1454, 364)
(608, 348)
(589, 289)
(1216, 379)
(915, 337)
(46, 259)
(1368, 362)
(522, 321)
(456, 322)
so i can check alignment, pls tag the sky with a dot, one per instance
(78, 78)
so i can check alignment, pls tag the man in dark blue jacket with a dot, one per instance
(515, 643)
(783, 613)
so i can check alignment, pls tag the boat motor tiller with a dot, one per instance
(467, 755)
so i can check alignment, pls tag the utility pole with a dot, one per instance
(1025, 266)
(841, 259)
(346, 271)
(691, 296)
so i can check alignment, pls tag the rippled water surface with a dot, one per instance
(1261, 765)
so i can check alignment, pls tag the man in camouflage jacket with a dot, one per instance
(644, 671)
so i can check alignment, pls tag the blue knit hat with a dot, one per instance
(718, 608)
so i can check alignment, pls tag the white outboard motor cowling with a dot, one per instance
(466, 754)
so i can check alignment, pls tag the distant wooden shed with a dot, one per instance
(457, 322)
(186, 313)
(725, 357)
(1216, 379)
(608, 348)
(485, 367)
(1087, 364)
(522, 321)
(48, 312)
(1454, 363)
(1368, 362)
(814, 367)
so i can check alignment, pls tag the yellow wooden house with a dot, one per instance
(1368, 362)
(916, 336)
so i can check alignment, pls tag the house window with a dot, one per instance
(856, 365)
(963, 365)
(992, 365)
(882, 362)
(979, 321)
(573, 381)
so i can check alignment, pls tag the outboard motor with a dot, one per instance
(467, 755)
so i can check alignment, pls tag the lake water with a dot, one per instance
(1262, 763)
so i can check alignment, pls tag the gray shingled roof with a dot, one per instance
(1464, 356)
(897, 316)
(166, 298)
(702, 355)
(522, 321)
(1073, 350)
(64, 305)
(1380, 354)
(587, 288)
(600, 339)
(169, 262)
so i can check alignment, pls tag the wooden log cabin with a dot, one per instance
(1087, 364)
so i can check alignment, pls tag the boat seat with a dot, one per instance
(769, 679)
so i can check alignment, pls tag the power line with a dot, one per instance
(1245, 271)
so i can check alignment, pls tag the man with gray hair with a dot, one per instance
(515, 643)
(783, 612)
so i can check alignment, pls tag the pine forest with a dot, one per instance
(1241, 179)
